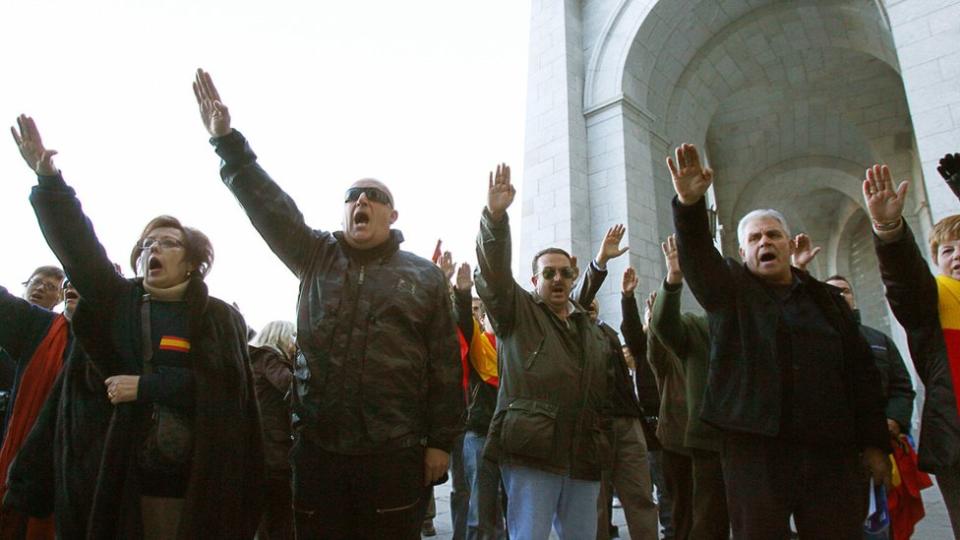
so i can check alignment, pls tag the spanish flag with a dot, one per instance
(174, 343)
(949, 293)
(483, 355)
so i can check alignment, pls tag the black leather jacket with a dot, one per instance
(381, 367)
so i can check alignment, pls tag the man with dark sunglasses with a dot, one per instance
(546, 432)
(377, 384)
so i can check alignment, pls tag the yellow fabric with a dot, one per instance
(949, 293)
(483, 356)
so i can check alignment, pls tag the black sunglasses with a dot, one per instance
(548, 273)
(373, 194)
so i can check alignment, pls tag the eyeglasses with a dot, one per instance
(162, 243)
(373, 194)
(42, 284)
(567, 272)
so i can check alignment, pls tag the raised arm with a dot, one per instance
(463, 301)
(631, 327)
(271, 211)
(597, 270)
(66, 228)
(949, 169)
(706, 273)
(667, 322)
(494, 278)
(803, 251)
(911, 288)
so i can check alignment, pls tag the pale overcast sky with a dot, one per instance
(426, 95)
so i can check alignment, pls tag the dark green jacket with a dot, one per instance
(688, 337)
(552, 372)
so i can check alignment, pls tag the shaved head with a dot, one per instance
(374, 183)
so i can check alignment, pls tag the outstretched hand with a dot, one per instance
(215, 115)
(803, 251)
(38, 158)
(949, 166)
(949, 169)
(690, 179)
(610, 247)
(464, 278)
(671, 257)
(884, 204)
(500, 192)
(648, 314)
(446, 265)
(630, 281)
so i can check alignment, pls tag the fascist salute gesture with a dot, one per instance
(884, 201)
(38, 158)
(215, 115)
(501, 192)
(690, 179)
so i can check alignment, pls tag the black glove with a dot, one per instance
(949, 169)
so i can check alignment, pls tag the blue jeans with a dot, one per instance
(536, 499)
(484, 518)
(460, 495)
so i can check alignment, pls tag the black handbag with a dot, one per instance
(169, 440)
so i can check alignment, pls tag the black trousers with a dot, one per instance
(710, 518)
(678, 475)
(826, 490)
(337, 496)
(277, 520)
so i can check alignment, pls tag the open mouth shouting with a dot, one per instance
(767, 257)
(71, 295)
(154, 266)
(361, 218)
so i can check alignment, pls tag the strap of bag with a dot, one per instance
(146, 344)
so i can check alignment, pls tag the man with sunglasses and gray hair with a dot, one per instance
(546, 431)
(377, 382)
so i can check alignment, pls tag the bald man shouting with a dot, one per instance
(377, 386)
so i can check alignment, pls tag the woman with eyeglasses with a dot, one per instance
(183, 453)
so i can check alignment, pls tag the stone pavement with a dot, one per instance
(935, 526)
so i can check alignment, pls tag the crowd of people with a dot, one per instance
(149, 409)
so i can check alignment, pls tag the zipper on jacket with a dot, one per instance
(360, 280)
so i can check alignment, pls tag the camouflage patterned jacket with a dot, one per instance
(380, 364)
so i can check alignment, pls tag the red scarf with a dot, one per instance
(35, 385)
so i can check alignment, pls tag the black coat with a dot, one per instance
(912, 293)
(223, 498)
(273, 379)
(22, 328)
(843, 404)
(382, 363)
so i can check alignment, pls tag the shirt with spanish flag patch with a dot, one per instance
(171, 383)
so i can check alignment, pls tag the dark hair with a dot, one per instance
(48, 271)
(837, 277)
(548, 251)
(198, 250)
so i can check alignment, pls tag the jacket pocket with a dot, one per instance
(531, 357)
(530, 429)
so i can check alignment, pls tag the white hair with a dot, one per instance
(277, 335)
(760, 214)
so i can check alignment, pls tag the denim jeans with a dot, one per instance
(484, 518)
(537, 499)
(460, 495)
